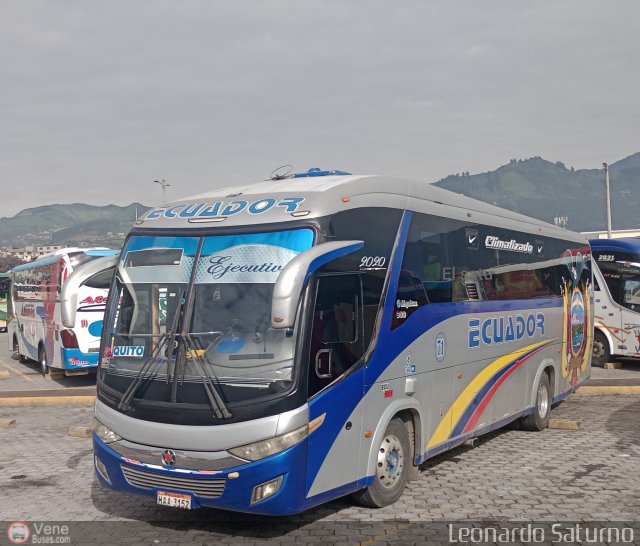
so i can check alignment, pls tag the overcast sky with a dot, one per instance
(100, 98)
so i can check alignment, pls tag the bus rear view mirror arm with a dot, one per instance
(69, 293)
(292, 279)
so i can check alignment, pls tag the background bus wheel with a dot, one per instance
(601, 354)
(42, 360)
(392, 468)
(16, 349)
(539, 419)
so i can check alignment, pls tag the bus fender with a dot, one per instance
(396, 407)
(607, 334)
(544, 364)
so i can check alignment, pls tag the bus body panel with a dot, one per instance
(201, 438)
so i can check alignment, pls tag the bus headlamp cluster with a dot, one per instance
(105, 433)
(264, 448)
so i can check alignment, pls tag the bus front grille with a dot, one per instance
(203, 487)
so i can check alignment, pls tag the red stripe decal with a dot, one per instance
(475, 417)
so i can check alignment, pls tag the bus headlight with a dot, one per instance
(105, 433)
(266, 490)
(264, 448)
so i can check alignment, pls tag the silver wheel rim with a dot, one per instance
(390, 461)
(543, 400)
(598, 349)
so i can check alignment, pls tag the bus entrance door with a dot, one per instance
(336, 347)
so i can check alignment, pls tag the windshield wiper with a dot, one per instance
(142, 376)
(215, 400)
(220, 410)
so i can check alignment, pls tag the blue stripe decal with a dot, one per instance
(330, 256)
(340, 400)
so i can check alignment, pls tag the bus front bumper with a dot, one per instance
(282, 476)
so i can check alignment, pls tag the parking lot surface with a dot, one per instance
(510, 476)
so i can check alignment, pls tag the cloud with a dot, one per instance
(101, 98)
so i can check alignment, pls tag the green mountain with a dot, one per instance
(72, 224)
(546, 190)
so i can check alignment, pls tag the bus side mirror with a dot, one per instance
(69, 292)
(292, 279)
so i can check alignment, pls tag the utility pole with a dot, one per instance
(164, 189)
(606, 183)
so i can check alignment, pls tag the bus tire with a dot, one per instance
(539, 419)
(601, 353)
(43, 363)
(16, 349)
(392, 469)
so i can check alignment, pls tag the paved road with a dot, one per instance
(512, 475)
(27, 376)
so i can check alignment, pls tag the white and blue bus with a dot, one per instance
(38, 330)
(617, 299)
(271, 347)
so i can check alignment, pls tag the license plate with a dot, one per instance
(174, 500)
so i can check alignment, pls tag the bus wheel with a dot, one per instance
(16, 349)
(601, 353)
(42, 360)
(392, 470)
(539, 419)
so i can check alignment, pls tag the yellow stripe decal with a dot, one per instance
(461, 403)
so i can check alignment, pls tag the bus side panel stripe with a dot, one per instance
(473, 421)
(457, 409)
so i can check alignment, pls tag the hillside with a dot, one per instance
(544, 190)
(69, 224)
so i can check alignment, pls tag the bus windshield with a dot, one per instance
(191, 320)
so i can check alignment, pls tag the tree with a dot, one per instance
(8, 262)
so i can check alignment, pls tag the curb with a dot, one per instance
(47, 401)
(609, 389)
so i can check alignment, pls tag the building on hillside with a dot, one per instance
(615, 234)
(29, 252)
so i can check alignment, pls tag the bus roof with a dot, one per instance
(318, 194)
(628, 244)
(53, 257)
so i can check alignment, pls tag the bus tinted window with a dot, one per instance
(449, 260)
(371, 262)
(100, 280)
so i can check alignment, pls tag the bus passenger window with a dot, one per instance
(631, 289)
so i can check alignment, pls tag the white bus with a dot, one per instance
(617, 299)
(270, 347)
(36, 329)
